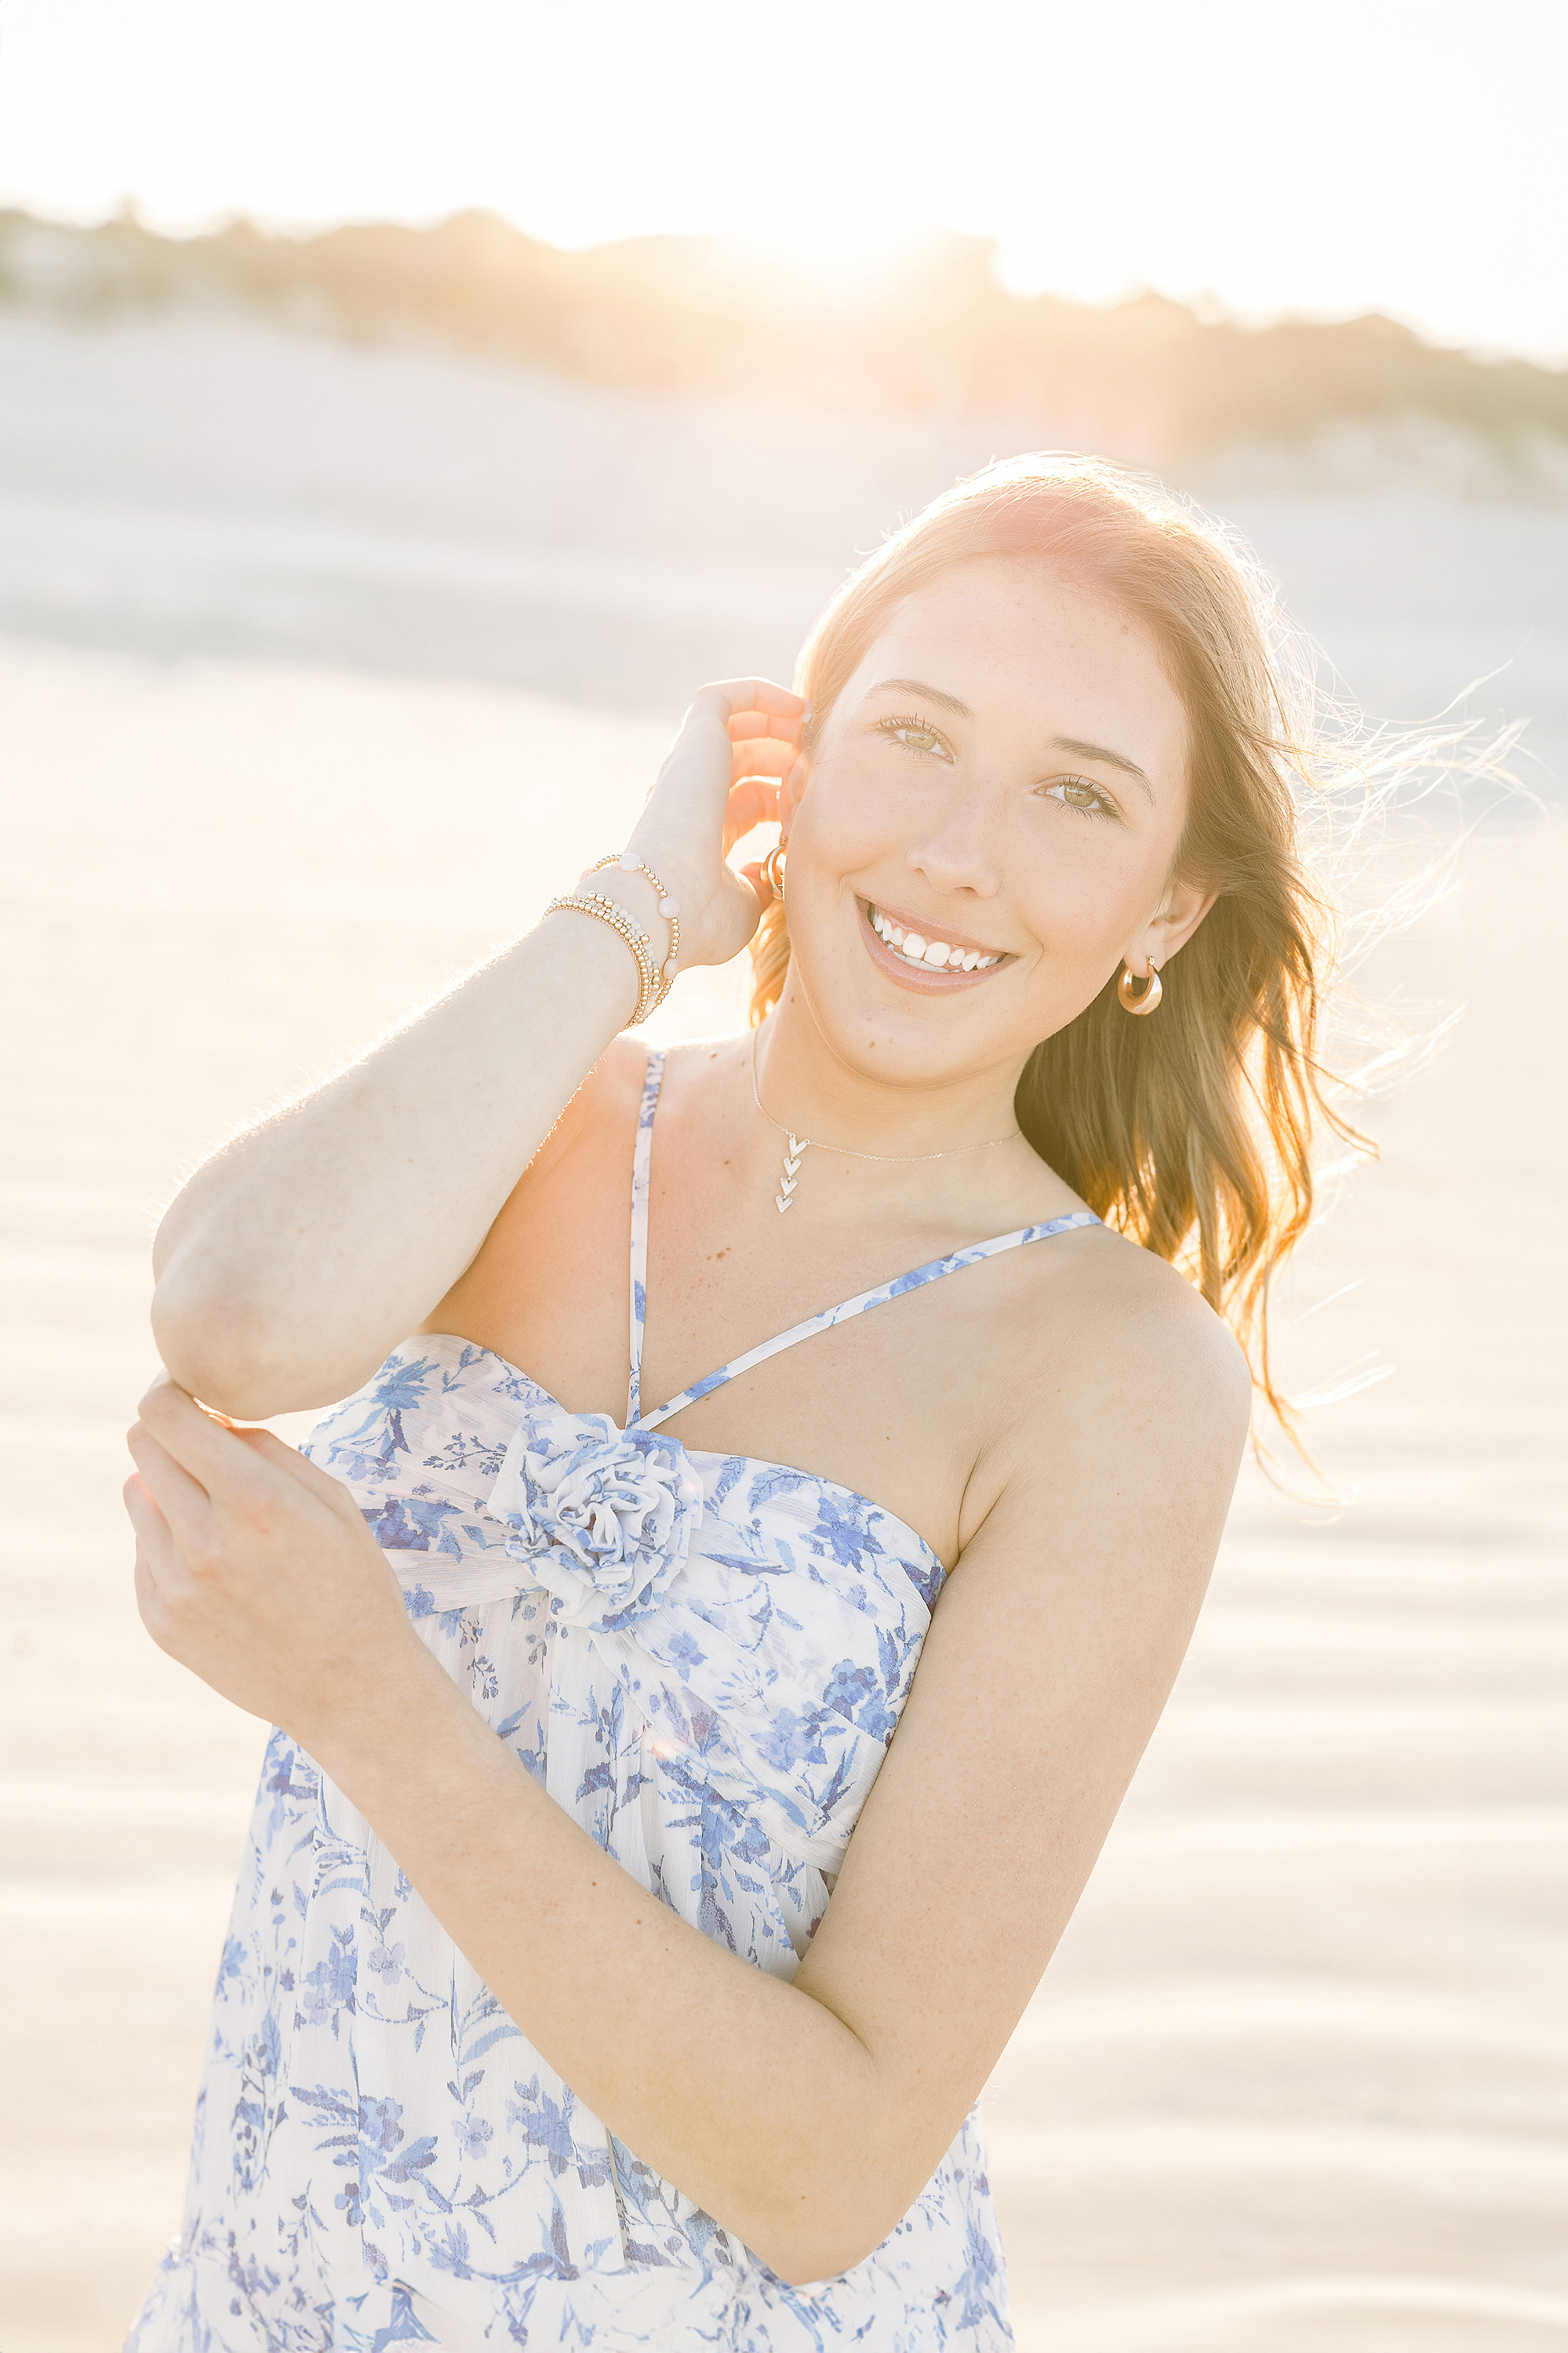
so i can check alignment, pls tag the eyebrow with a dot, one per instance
(1111, 759)
(917, 686)
(1074, 744)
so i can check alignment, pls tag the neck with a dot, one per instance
(813, 1089)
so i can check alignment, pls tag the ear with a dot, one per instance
(1179, 913)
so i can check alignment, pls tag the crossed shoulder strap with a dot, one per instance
(879, 1297)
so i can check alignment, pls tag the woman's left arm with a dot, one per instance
(806, 2117)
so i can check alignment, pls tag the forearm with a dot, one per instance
(750, 2095)
(297, 1257)
(292, 1262)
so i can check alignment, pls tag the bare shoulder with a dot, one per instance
(1133, 1313)
(1126, 1395)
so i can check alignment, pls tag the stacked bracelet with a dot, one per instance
(605, 910)
(653, 984)
(668, 908)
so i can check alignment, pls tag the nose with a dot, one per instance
(962, 851)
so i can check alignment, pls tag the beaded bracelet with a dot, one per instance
(605, 910)
(668, 908)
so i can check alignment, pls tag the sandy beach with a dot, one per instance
(319, 670)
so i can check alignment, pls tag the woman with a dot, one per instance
(536, 2024)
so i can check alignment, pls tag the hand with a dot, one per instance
(256, 1570)
(739, 749)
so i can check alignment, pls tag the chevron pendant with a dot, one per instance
(785, 1196)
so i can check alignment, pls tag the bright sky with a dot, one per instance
(1358, 154)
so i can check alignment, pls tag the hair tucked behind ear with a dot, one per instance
(1191, 1131)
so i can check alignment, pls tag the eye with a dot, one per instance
(1077, 793)
(916, 735)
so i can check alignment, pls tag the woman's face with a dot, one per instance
(1004, 776)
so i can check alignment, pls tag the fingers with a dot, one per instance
(153, 1539)
(180, 1501)
(223, 1461)
(759, 726)
(151, 1607)
(295, 1465)
(208, 1449)
(160, 1577)
(761, 757)
(733, 697)
(763, 800)
(754, 801)
(197, 1472)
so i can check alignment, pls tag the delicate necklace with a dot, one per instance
(799, 1145)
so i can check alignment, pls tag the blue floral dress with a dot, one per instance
(703, 1657)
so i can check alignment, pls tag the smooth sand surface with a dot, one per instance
(1298, 2075)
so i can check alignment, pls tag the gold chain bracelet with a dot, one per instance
(668, 908)
(606, 910)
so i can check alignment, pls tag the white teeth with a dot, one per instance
(934, 954)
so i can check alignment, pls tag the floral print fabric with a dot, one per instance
(703, 1659)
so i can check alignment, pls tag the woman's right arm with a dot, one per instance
(298, 1257)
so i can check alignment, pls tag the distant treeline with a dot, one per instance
(1148, 379)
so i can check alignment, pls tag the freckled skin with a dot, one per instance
(978, 833)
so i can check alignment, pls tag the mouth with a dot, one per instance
(921, 959)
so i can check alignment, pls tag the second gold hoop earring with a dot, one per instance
(773, 870)
(1136, 1000)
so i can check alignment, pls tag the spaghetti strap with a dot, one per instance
(639, 1165)
(932, 1271)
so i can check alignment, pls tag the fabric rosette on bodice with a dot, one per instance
(756, 1626)
(602, 1517)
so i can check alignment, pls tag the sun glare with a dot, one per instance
(1271, 170)
(828, 256)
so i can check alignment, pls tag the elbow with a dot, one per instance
(806, 2271)
(814, 2259)
(839, 2221)
(217, 1347)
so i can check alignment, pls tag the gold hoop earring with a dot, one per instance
(1133, 1000)
(773, 870)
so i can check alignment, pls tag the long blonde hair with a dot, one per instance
(1190, 1132)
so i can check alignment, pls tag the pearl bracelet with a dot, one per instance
(668, 908)
(606, 910)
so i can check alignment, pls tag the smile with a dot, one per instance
(910, 955)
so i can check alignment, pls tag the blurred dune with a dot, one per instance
(321, 662)
(932, 334)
